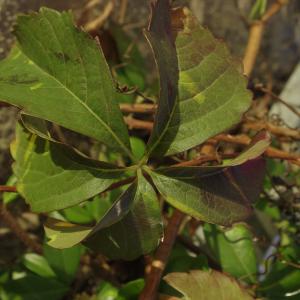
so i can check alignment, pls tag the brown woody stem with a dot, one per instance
(256, 33)
(138, 108)
(9, 189)
(161, 257)
(276, 98)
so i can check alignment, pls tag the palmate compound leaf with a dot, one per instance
(58, 73)
(216, 194)
(130, 228)
(52, 176)
(202, 89)
(206, 285)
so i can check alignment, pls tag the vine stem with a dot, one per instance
(276, 98)
(161, 257)
(9, 189)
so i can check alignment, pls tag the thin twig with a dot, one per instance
(147, 108)
(138, 124)
(241, 139)
(279, 154)
(120, 183)
(11, 222)
(244, 140)
(99, 21)
(204, 159)
(9, 189)
(91, 4)
(256, 33)
(161, 257)
(255, 124)
(271, 152)
(142, 108)
(275, 97)
(123, 9)
(86, 11)
(261, 107)
(276, 130)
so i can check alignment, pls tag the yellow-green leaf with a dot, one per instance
(58, 73)
(211, 285)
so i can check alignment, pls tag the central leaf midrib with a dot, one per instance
(80, 102)
(165, 130)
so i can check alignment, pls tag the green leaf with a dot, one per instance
(32, 287)
(131, 290)
(268, 210)
(127, 49)
(234, 249)
(282, 281)
(215, 194)
(259, 143)
(58, 73)
(100, 205)
(107, 292)
(52, 176)
(258, 9)
(138, 147)
(64, 262)
(36, 126)
(38, 264)
(131, 70)
(200, 285)
(130, 228)
(212, 93)
(78, 214)
(180, 260)
(63, 234)
(161, 40)
(138, 232)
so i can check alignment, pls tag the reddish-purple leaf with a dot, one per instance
(216, 194)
